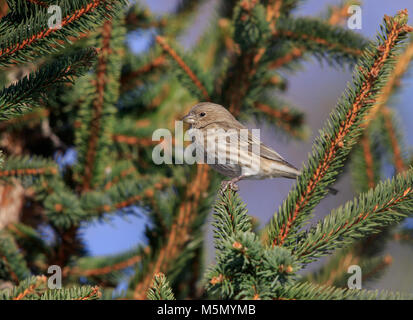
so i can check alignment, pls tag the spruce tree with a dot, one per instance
(79, 86)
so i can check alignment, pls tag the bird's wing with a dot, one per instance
(267, 152)
(251, 140)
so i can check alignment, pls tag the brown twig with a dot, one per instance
(384, 263)
(13, 275)
(39, 3)
(368, 159)
(129, 79)
(394, 142)
(123, 174)
(30, 116)
(246, 64)
(3, 8)
(40, 280)
(28, 172)
(167, 48)
(103, 270)
(401, 67)
(94, 292)
(321, 41)
(95, 125)
(148, 193)
(133, 140)
(283, 117)
(47, 31)
(337, 16)
(179, 230)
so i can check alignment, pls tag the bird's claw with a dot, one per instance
(228, 185)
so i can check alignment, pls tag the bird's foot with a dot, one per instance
(228, 185)
(232, 184)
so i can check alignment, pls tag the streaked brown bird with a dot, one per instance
(254, 160)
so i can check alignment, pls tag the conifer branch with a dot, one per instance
(31, 90)
(368, 159)
(139, 17)
(128, 80)
(336, 16)
(403, 235)
(181, 227)
(192, 74)
(333, 43)
(331, 273)
(29, 242)
(339, 14)
(245, 268)
(69, 246)
(39, 3)
(394, 141)
(96, 115)
(133, 140)
(120, 196)
(380, 108)
(365, 164)
(388, 203)
(340, 134)
(78, 17)
(401, 67)
(253, 23)
(381, 265)
(104, 270)
(92, 295)
(160, 289)
(24, 166)
(142, 18)
(274, 8)
(30, 289)
(3, 9)
(31, 118)
(115, 179)
(289, 120)
(363, 253)
(35, 288)
(63, 209)
(308, 291)
(12, 264)
(288, 57)
(230, 217)
(101, 82)
(277, 8)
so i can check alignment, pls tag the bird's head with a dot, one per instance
(205, 113)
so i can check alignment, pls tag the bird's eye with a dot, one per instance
(202, 114)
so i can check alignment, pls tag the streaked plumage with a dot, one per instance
(209, 119)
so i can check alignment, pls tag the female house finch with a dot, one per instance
(253, 159)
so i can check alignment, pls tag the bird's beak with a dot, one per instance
(189, 118)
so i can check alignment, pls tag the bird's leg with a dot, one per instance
(231, 184)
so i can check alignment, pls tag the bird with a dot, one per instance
(254, 159)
